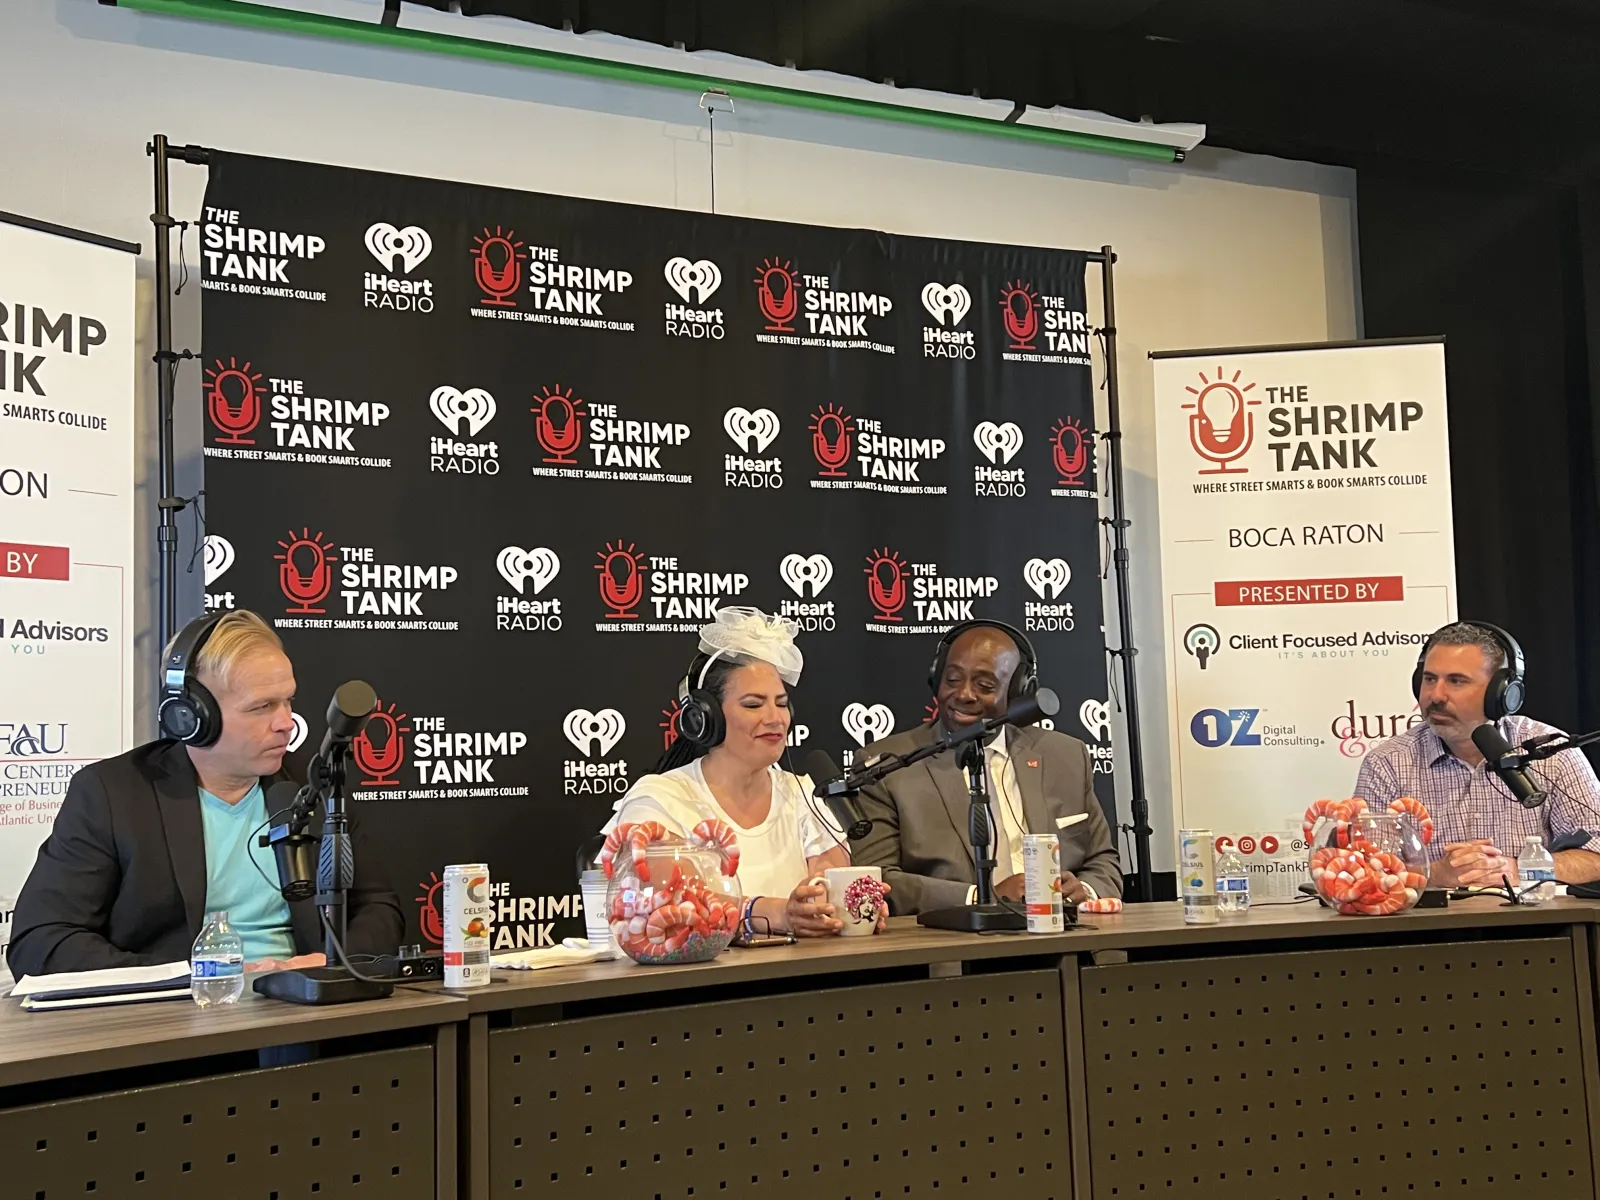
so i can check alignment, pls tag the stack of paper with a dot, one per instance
(115, 985)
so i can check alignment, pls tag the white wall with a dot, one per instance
(1225, 249)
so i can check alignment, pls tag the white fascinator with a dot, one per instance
(750, 635)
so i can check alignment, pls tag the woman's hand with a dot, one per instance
(883, 910)
(808, 912)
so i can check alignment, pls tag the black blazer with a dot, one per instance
(121, 880)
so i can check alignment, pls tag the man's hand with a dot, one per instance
(1012, 889)
(286, 964)
(1477, 863)
(808, 912)
(1073, 889)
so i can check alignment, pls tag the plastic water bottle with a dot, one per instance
(1233, 883)
(1535, 866)
(216, 964)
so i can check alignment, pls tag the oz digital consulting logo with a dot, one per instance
(1215, 727)
(1221, 425)
(1202, 641)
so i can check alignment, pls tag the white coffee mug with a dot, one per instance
(857, 907)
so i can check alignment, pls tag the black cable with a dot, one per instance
(183, 266)
(344, 959)
(199, 527)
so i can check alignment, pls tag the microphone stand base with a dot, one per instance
(975, 918)
(319, 985)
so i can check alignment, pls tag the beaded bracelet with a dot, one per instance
(749, 909)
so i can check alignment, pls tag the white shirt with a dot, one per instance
(1007, 821)
(772, 854)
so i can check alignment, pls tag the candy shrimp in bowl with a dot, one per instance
(1368, 862)
(672, 898)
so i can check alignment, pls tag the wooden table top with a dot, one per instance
(51, 1045)
(905, 943)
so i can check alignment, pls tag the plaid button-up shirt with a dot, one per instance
(1471, 802)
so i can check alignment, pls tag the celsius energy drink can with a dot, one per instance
(1041, 878)
(468, 925)
(1197, 877)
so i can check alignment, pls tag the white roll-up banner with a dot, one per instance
(1306, 554)
(66, 522)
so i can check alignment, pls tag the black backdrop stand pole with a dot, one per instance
(168, 504)
(1143, 884)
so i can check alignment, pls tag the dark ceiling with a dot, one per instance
(1481, 84)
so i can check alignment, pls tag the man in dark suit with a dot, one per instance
(1039, 781)
(149, 842)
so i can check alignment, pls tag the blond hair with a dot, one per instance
(233, 639)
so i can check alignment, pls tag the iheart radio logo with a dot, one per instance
(941, 302)
(411, 245)
(297, 736)
(688, 278)
(219, 557)
(999, 443)
(518, 566)
(866, 723)
(586, 730)
(304, 574)
(797, 571)
(452, 406)
(1095, 716)
(380, 748)
(233, 401)
(751, 431)
(1048, 577)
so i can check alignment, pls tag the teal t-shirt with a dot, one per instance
(237, 875)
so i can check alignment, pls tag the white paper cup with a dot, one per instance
(859, 913)
(596, 925)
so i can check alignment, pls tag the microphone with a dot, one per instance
(1027, 711)
(294, 850)
(348, 712)
(828, 786)
(1491, 743)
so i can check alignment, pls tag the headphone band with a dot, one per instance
(1023, 680)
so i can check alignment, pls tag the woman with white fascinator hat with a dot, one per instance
(733, 729)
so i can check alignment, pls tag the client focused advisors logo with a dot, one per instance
(999, 444)
(1028, 315)
(305, 571)
(594, 735)
(695, 283)
(617, 449)
(380, 748)
(399, 252)
(867, 723)
(802, 572)
(1201, 642)
(1048, 577)
(948, 306)
(752, 432)
(497, 261)
(465, 414)
(1072, 458)
(529, 572)
(219, 556)
(234, 399)
(882, 463)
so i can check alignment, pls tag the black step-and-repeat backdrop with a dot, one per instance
(501, 454)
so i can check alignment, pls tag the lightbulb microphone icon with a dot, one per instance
(304, 574)
(1069, 451)
(497, 265)
(381, 762)
(830, 439)
(1021, 314)
(558, 424)
(1202, 641)
(776, 294)
(1221, 426)
(621, 579)
(886, 583)
(233, 400)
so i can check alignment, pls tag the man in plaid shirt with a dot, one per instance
(1478, 826)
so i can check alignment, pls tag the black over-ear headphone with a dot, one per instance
(1506, 689)
(700, 719)
(1024, 680)
(189, 712)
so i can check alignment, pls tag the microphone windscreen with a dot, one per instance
(1043, 703)
(821, 767)
(352, 704)
(1490, 742)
